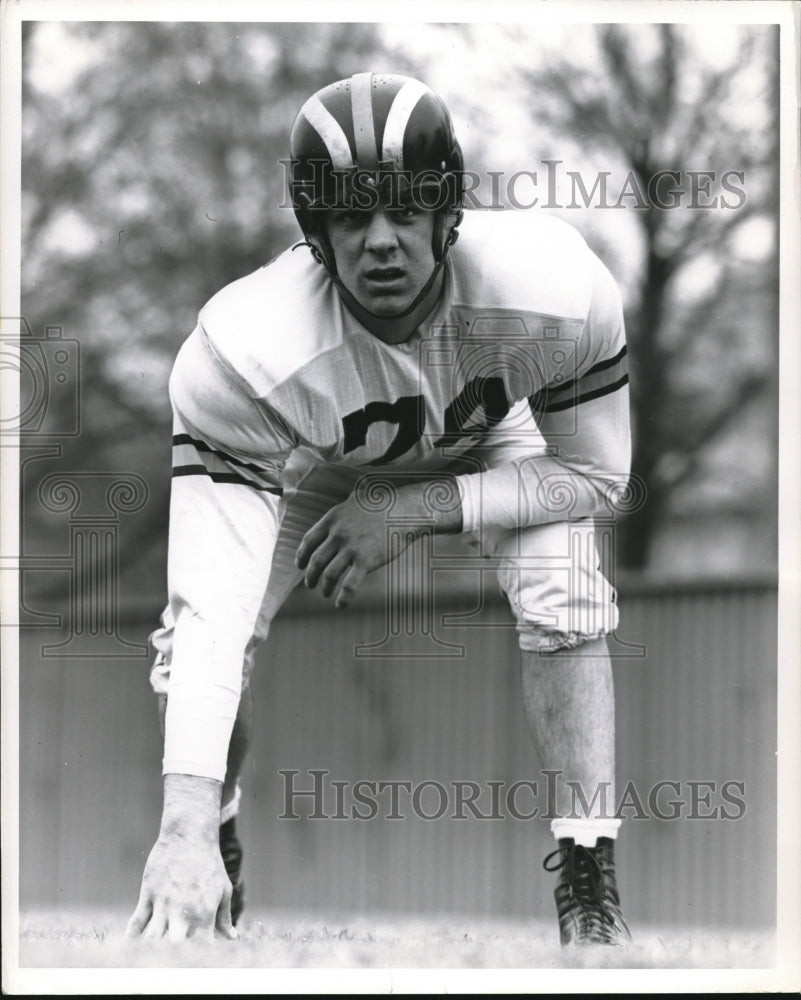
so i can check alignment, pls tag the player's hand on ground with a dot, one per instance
(185, 892)
(345, 545)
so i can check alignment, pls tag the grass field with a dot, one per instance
(95, 940)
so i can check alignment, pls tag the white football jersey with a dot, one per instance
(277, 367)
(277, 361)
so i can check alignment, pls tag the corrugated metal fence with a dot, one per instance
(696, 712)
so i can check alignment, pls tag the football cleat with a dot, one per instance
(586, 895)
(232, 854)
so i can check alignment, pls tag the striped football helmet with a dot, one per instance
(375, 133)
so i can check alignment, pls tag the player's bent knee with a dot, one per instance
(543, 640)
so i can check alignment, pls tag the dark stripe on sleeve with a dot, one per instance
(600, 367)
(223, 477)
(179, 439)
(555, 397)
(585, 397)
(603, 365)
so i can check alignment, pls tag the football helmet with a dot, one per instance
(375, 136)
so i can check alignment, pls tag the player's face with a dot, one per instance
(384, 255)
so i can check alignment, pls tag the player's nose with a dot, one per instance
(380, 236)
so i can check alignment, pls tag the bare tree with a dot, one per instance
(697, 145)
(151, 178)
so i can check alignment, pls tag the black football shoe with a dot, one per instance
(586, 895)
(232, 854)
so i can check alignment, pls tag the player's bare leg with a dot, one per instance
(569, 703)
(570, 707)
(230, 847)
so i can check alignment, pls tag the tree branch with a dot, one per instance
(709, 427)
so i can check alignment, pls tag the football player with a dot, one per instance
(481, 383)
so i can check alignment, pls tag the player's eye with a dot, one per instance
(408, 211)
(350, 217)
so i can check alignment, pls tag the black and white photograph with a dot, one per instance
(401, 562)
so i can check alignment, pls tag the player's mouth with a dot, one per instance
(385, 276)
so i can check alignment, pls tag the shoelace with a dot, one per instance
(585, 881)
(583, 872)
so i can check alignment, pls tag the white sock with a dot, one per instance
(585, 831)
(231, 809)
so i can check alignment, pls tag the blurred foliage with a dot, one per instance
(151, 178)
(151, 181)
(702, 318)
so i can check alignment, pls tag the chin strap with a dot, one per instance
(400, 326)
(395, 329)
(314, 252)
